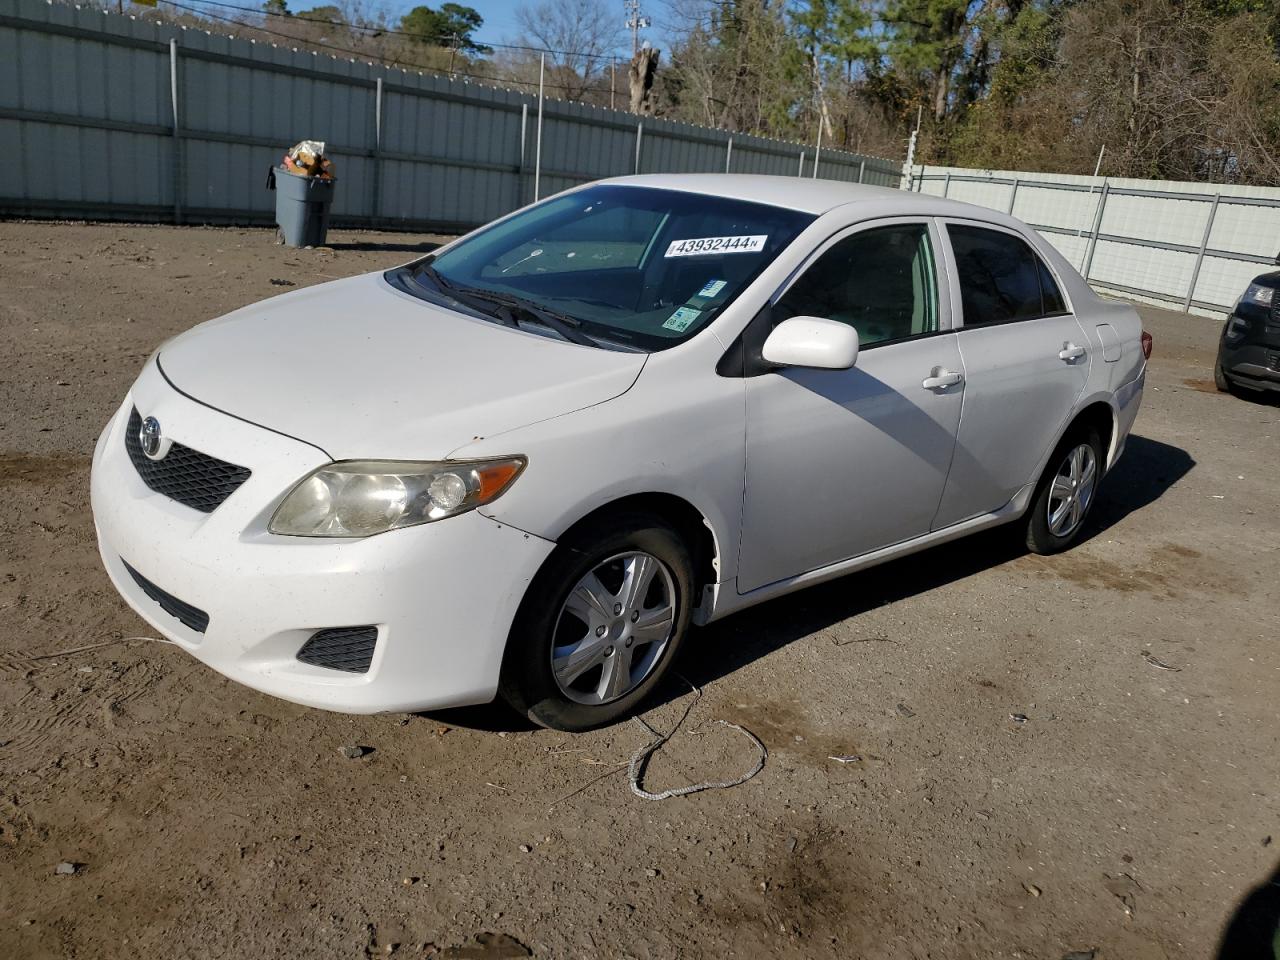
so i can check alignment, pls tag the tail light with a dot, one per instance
(1146, 344)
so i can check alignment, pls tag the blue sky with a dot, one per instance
(499, 17)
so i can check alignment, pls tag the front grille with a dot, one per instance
(193, 617)
(349, 649)
(188, 476)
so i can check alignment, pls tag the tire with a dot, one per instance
(1220, 379)
(586, 632)
(1046, 533)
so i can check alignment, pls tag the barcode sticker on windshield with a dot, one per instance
(680, 320)
(707, 245)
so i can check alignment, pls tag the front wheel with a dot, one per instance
(1220, 379)
(1066, 492)
(600, 624)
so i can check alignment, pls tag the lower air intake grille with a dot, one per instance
(349, 649)
(188, 476)
(193, 617)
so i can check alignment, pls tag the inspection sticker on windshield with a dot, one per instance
(705, 245)
(680, 320)
(712, 288)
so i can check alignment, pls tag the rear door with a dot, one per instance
(1026, 363)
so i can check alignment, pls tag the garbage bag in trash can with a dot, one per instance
(302, 206)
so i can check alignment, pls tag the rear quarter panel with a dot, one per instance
(1116, 382)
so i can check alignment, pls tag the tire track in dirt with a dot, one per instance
(39, 716)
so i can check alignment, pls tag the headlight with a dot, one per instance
(358, 498)
(1258, 294)
(1237, 327)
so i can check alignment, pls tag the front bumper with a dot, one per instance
(1254, 365)
(442, 595)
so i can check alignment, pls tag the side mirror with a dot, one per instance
(812, 342)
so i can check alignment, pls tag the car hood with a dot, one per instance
(364, 371)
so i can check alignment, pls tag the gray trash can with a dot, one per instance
(302, 207)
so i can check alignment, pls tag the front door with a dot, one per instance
(1026, 362)
(842, 462)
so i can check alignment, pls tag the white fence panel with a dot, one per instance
(1194, 246)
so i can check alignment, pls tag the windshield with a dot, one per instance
(631, 266)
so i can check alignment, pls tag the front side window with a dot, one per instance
(880, 281)
(1001, 278)
(634, 267)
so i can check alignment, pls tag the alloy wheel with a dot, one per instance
(1071, 491)
(613, 628)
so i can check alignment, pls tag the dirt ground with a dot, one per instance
(1131, 812)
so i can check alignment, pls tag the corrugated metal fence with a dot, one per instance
(108, 116)
(1191, 245)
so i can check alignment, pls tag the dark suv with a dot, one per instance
(1249, 351)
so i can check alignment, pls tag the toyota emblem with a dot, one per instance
(149, 438)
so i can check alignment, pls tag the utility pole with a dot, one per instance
(635, 23)
(908, 168)
(537, 156)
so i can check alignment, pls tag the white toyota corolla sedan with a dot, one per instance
(526, 464)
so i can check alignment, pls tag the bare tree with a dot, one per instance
(1175, 90)
(738, 67)
(644, 65)
(580, 36)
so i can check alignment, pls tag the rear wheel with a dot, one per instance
(1066, 492)
(600, 624)
(1220, 379)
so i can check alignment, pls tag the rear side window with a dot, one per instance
(1001, 278)
(1053, 302)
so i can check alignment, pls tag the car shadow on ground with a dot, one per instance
(1145, 472)
(1253, 932)
(370, 246)
(1259, 398)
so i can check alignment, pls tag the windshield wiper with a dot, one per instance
(567, 327)
(560, 323)
(563, 324)
(433, 275)
(480, 302)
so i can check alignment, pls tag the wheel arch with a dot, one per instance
(1099, 413)
(690, 522)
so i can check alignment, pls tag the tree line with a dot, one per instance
(1168, 89)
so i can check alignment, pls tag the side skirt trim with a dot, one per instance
(729, 601)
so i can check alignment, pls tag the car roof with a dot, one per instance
(796, 193)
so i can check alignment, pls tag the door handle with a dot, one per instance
(941, 378)
(1070, 352)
